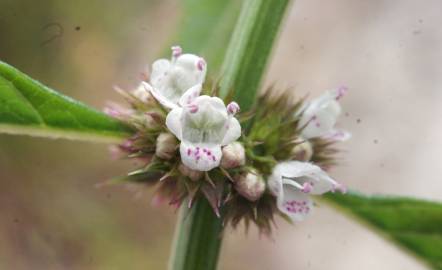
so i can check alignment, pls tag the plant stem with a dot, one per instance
(250, 48)
(198, 238)
(198, 235)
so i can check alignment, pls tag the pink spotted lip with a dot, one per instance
(295, 207)
(198, 153)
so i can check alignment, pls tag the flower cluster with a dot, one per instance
(249, 165)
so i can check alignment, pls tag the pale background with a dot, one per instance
(387, 52)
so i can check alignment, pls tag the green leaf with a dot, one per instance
(29, 108)
(250, 48)
(413, 224)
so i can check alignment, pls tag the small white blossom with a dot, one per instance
(171, 79)
(203, 126)
(319, 117)
(293, 181)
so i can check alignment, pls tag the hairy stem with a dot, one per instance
(198, 238)
(250, 48)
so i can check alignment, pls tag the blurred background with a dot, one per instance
(389, 54)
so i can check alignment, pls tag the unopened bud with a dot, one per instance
(166, 145)
(142, 94)
(192, 174)
(302, 151)
(233, 156)
(152, 120)
(251, 185)
(233, 108)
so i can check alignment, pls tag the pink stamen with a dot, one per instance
(176, 51)
(201, 64)
(307, 187)
(341, 92)
(233, 108)
(193, 108)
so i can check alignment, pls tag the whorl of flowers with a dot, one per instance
(251, 165)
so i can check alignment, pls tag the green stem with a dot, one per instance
(250, 49)
(198, 238)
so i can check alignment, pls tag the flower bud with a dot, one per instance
(233, 156)
(251, 185)
(166, 145)
(303, 151)
(192, 174)
(142, 94)
(232, 108)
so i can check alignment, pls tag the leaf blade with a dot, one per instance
(415, 225)
(27, 107)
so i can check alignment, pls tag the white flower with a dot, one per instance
(320, 116)
(293, 181)
(203, 126)
(170, 80)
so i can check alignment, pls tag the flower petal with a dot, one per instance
(318, 124)
(159, 70)
(294, 204)
(174, 123)
(338, 135)
(204, 120)
(190, 95)
(233, 131)
(159, 97)
(296, 174)
(190, 70)
(200, 156)
(320, 115)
